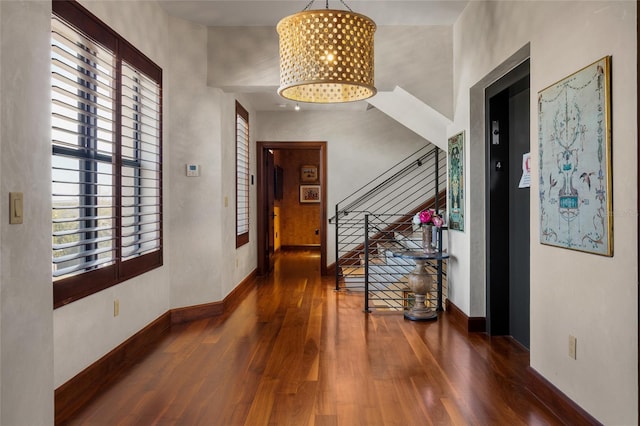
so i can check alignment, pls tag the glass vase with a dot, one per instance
(427, 239)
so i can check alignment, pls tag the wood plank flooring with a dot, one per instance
(295, 352)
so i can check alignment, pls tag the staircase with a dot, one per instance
(382, 277)
(374, 220)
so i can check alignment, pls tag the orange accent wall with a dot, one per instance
(298, 221)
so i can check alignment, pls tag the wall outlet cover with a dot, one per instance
(572, 347)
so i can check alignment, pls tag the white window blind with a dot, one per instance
(242, 175)
(140, 163)
(83, 146)
(106, 136)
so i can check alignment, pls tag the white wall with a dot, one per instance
(1, 215)
(598, 303)
(194, 209)
(243, 57)
(26, 327)
(417, 58)
(201, 264)
(591, 297)
(360, 146)
(86, 330)
(420, 60)
(235, 264)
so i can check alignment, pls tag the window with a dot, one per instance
(242, 176)
(106, 141)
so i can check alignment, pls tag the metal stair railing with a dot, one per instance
(385, 276)
(411, 185)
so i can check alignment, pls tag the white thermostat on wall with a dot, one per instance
(193, 170)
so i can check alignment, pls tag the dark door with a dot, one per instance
(508, 207)
(270, 175)
(519, 214)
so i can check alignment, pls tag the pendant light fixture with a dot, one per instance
(326, 56)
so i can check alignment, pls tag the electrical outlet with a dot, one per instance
(572, 347)
(116, 307)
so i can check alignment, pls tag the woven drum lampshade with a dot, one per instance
(326, 56)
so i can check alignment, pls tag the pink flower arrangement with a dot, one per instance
(428, 217)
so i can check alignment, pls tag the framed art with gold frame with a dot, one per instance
(574, 161)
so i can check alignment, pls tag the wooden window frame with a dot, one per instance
(75, 287)
(242, 238)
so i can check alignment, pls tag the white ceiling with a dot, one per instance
(269, 12)
(261, 13)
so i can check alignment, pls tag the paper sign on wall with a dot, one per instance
(525, 180)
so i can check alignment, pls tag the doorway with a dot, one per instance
(507, 104)
(272, 169)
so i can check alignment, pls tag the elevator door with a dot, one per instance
(508, 211)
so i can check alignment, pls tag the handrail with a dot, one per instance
(398, 175)
(382, 182)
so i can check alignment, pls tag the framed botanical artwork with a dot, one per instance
(574, 165)
(456, 182)
(309, 173)
(309, 193)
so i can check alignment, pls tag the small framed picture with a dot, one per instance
(309, 193)
(309, 173)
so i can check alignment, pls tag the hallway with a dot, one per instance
(294, 352)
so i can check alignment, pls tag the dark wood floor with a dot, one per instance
(294, 352)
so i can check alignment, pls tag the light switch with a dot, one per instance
(15, 207)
